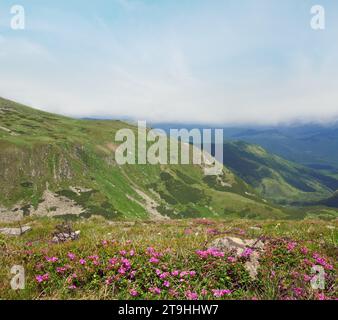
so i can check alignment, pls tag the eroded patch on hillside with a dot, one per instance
(149, 204)
(54, 205)
(6, 215)
(51, 205)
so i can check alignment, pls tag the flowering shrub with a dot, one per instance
(291, 271)
(174, 265)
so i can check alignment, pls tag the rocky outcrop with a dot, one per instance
(51, 205)
(250, 249)
(15, 231)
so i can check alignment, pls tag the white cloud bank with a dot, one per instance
(249, 70)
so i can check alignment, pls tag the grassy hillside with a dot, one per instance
(312, 145)
(275, 178)
(53, 165)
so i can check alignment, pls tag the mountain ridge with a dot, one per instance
(73, 161)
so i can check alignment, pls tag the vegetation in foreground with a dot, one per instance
(170, 260)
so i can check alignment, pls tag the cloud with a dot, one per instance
(208, 66)
(128, 4)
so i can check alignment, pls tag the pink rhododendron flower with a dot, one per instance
(241, 232)
(126, 264)
(212, 231)
(304, 250)
(322, 261)
(307, 278)
(82, 261)
(247, 253)
(113, 261)
(122, 270)
(61, 269)
(155, 290)
(133, 293)
(173, 293)
(42, 278)
(52, 259)
(210, 252)
(204, 292)
(154, 260)
(220, 293)
(291, 246)
(166, 284)
(328, 266)
(231, 259)
(191, 295)
(158, 272)
(298, 291)
(71, 256)
(175, 273)
(321, 296)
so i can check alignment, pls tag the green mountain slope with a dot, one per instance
(275, 178)
(58, 166)
(312, 145)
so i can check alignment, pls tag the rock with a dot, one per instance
(15, 231)
(255, 228)
(238, 246)
(64, 237)
(65, 233)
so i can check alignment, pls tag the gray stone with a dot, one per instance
(64, 236)
(256, 228)
(15, 232)
(237, 246)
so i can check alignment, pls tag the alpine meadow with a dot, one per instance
(173, 150)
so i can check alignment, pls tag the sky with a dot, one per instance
(187, 61)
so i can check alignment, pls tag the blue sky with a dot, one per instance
(205, 61)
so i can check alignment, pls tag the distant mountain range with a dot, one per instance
(312, 145)
(290, 165)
